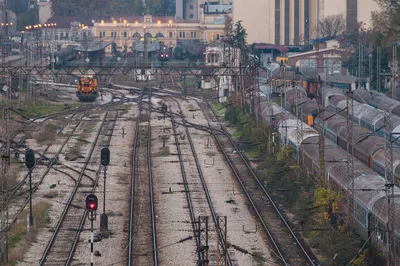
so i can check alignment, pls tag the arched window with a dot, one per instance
(136, 36)
(159, 35)
(148, 35)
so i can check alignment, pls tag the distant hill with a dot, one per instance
(110, 8)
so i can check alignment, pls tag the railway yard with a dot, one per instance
(177, 188)
(180, 189)
(197, 133)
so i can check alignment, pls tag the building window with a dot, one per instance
(191, 16)
(218, 36)
(170, 34)
(193, 35)
(182, 34)
(66, 35)
(113, 34)
(307, 63)
(124, 34)
(61, 35)
(102, 34)
(191, 7)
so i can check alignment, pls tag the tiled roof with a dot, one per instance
(65, 22)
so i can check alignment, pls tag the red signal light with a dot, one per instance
(91, 203)
(164, 109)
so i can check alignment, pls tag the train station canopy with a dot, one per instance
(93, 47)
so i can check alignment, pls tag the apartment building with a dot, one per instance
(293, 22)
(191, 9)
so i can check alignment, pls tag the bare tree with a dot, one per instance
(228, 25)
(332, 26)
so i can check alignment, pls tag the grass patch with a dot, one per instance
(144, 118)
(51, 194)
(72, 154)
(88, 129)
(19, 238)
(164, 151)
(38, 109)
(258, 258)
(47, 132)
(253, 153)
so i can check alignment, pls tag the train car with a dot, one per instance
(163, 54)
(63, 56)
(333, 124)
(179, 53)
(367, 116)
(378, 100)
(370, 200)
(87, 89)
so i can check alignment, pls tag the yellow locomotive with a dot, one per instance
(87, 89)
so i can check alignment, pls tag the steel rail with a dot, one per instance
(282, 218)
(207, 192)
(153, 214)
(133, 174)
(188, 197)
(68, 204)
(83, 217)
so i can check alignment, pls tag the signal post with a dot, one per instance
(91, 207)
(30, 164)
(105, 160)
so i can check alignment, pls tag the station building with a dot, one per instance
(166, 29)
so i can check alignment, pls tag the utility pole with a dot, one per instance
(203, 237)
(146, 54)
(350, 149)
(299, 104)
(321, 137)
(378, 69)
(222, 249)
(256, 90)
(389, 185)
(5, 157)
(394, 70)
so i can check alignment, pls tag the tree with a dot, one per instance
(332, 26)
(18, 6)
(386, 21)
(239, 35)
(228, 25)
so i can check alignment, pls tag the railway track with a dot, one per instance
(63, 242)
(205, 188)
(288, 247)
(23, 186)
(142, 235)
